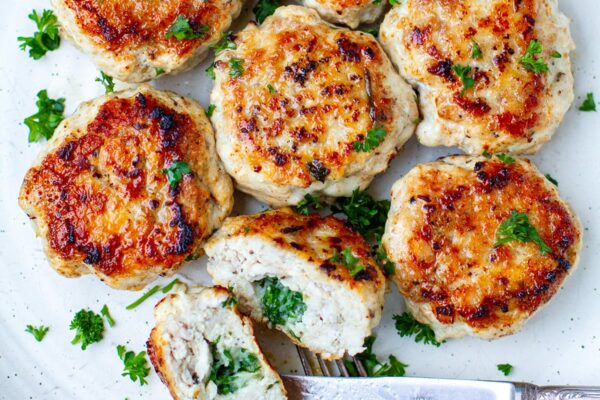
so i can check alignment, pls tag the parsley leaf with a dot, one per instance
(506, 369)
(210, 110)
(347, 259)
(232, 368)
(210, 71)
(176, 171)
(555, 54)
(271, 89)
(37, 332)
(487, 154)
(551, 179)
(406, 325)
(463, 74)
(505, 158)
(530, 61)
(134, 365)
(475, 50)
(371, 31)
(106, 314)
(309, 202)
(589, 104)
(107, 82)
(159, 71)
(226, 42)
(518, 228)
(46, 39)
(182, 29)
(375, 136)
(50, 113)
(88, 326)
(236, 67)
(280, 304)
(372, 366)
(231, 300)
(264, 8)
(366, 215)
(382, 259)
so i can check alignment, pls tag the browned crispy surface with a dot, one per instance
(101, 200)
(442, 231)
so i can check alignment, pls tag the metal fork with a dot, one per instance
(314, 365)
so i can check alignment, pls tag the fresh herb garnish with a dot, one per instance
(264, 8)
(366, 215)
(50, 113)
(236, 67)
(181, 29)
(226, 42)
(518, 228)
(106, 314)
(231, 300)
(551, 179)
(375, 136)
(347, 259)
(280, 304)
(463, 74)
(176, 171)
(107, 82)
(210, 71)
(589, 104)
(406, 325)
(271, 89)
(382, 259)
(506, 369)
(372, 366)
(505, 158)
(167, 288)
(555, 54)
(232, 368)
(371, 31)
(88, 326)
(38, 332)
(309, 203)
(487, 154)
(475, 50)
(376, 2)
(394, 2)
(134, 365)
(530, 60)
(159, 71)
(45, 39)
(210, 110)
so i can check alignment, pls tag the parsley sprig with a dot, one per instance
(518, 228)
(182, 29)
(406, 325)
(38, 332)
(236, 67)
(365, 214)
(43, 123)
(374, 137)
(589, 104)
(107, 82)
(176, 171)
(134, 365)
(45, 39)
(226, 42)
(506, 369)
(309, 203)
(531, 60)
(232, 368)
(347, 259)
(264, 8)
(373, 366)
(281, 305)
(88, 326)
(463, 73)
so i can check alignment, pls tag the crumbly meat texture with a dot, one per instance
(292, 100)
(127, 38)
(190, 326)
(510, 108)
(341, 310)
(441, 234)
(100, 200)
(348, 12)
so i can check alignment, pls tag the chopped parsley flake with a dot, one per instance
(589, 104)
(506, 369)
(182, 29)
(176, 172)
(210, 71)
(232, 368)
(551, 179)
(210, 110)
(555, 54)
(309, 202)
(475, 50)
(37, 332)
(530, 60)
(347, 259)
(505, 158)
(518, 228)
(107, 82)
(226, 42)
(236, 67)
(463, 73)
(375, 136)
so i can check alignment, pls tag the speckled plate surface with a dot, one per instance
(560, 345)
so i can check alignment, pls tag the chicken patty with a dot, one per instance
(303, 107)
(348, 12)
(492, 75)
(479, 244)
(128, 187)
(202, 348)
(136, 41)
(313, 278)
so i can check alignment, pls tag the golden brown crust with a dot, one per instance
(100, 197)
(441, 234)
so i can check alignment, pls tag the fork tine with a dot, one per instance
(342, 367)
(359, 367)
(324, 367)
(304, 361)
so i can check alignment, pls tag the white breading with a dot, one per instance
(340, 311)
(306, 92)
(348, 12)
(510, 109)
(127, 38)
(188, 323)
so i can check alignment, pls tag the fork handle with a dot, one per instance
(531, 392)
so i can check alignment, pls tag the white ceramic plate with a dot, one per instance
(560, 345)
